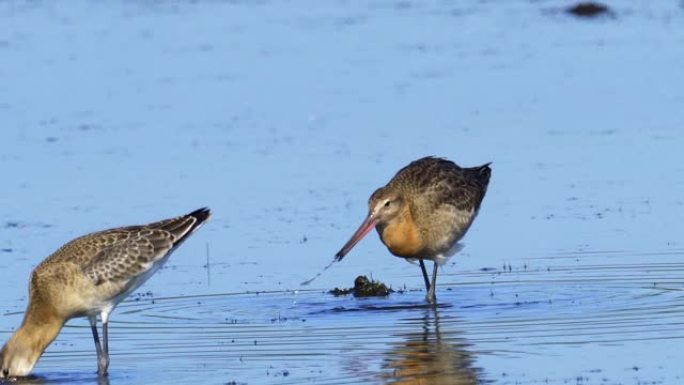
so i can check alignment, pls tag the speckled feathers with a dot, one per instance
(123, 253)
(437, 181)
(441, 199)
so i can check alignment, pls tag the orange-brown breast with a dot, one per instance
(402, 237)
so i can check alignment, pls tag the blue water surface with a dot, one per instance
(284, 116)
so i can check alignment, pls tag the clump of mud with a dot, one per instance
(589, 9)
(364, 287)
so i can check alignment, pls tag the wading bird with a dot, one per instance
(88, 277)
(424, 211)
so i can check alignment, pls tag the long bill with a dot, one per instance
(367, 225)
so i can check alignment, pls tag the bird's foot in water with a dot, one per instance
(431, 297)
(102, 366)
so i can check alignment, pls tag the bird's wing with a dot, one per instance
(460, 192)
(121, 255)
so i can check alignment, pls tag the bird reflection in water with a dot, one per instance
(429, 357)
(59, 378)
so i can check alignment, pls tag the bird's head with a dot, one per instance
(383, 206)
(16, 360)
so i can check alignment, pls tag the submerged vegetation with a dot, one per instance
(364, 287)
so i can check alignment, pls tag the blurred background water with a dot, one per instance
(284, 116)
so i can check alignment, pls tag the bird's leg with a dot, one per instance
(432, 296)
(103, 361)
(96, 338)
(105, 337)
(425, 276)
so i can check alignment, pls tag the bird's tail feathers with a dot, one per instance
(483, 173)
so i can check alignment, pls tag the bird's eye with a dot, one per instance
(5, 372)
(387, 203)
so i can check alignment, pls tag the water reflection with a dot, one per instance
(58, 378)
(431, 356)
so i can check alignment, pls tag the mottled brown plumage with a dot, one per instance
(424, 211)
(88, 277)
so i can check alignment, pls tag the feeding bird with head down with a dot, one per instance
(89, 277)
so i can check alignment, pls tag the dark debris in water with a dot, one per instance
(364, 287)
(278, 373)
(137, 296)
(589, 9)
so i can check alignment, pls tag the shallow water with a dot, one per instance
(283, 118)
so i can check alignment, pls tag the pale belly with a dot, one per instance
(80, 297)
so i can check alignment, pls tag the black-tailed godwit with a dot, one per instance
(424, 211)
(88, 277)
